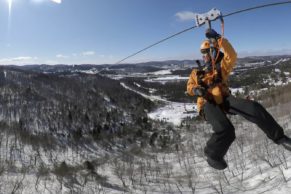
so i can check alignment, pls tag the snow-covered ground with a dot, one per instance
(152, 97)
(162, 72)
(172, 112)
(166, 78)
(237, 90)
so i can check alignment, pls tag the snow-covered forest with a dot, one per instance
(131, 129)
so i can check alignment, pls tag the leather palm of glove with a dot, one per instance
(212, 34)
(200, 91)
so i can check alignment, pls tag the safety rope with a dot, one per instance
(188, 29)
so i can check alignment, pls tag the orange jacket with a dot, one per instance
(218, 91)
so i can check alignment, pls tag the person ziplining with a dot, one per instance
(215, 101)
(209, 82)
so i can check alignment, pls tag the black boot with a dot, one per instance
(217, 164)
(285, 142)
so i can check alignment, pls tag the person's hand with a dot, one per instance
(217, 79)
(212, 34)
(200, 73)
(200, 91)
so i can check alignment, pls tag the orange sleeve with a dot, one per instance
(192, 82)
(229, 60)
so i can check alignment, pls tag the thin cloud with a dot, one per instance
(18, 60)
(88, 53)
(57, 1)
(61, 56)
(41, 1)
(185, 15)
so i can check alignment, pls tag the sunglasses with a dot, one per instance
(205, 51)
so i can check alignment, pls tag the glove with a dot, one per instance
(200, 73)
(217, 79)
(212, 34)
(200, 91)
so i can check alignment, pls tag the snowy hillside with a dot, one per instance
(174, 163)
(131, 129)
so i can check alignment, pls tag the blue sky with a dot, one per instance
(105, 31)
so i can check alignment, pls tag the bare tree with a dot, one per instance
(18, 184)
(283, 175)
(119, 171)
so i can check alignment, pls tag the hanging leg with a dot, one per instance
(256, 113)
(223, 129)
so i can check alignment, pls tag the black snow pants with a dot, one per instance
(224, 134)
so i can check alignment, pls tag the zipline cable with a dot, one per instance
(146, 48)
(256, 7)
(188, 29)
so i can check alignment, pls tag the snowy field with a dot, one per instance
(172, 112)
(167, 79)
